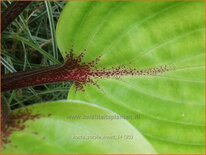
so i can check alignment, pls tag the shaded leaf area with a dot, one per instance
(70, 127)
(143, 35)
(16, 122)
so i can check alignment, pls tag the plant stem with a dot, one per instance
(73, 70)
(32, 78)
(12, 12)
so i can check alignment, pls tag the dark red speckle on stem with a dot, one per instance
(73, 70)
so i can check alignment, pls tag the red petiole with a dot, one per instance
(73, 70)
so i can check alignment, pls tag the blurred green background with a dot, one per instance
(24, 46)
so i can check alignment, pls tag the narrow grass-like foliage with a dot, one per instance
(30, 43)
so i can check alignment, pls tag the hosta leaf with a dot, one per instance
(57, 127)
(143, 35)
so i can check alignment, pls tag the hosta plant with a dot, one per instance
(124, 58)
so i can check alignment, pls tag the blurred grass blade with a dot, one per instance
(52, 28)
(7, 65)
(33, 45)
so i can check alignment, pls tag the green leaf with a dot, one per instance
(143, 35)
(70, 127)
